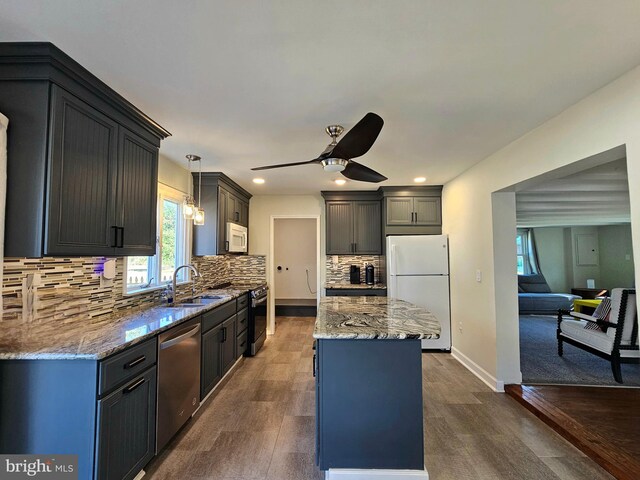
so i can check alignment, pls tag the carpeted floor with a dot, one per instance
(540, 363)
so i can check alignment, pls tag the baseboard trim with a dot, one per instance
(492, 382)
(367, 474)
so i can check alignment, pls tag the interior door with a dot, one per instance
(430, 292)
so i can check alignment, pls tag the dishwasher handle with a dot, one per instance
(175, 340)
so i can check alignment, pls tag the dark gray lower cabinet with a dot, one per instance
(127, 428)
(211, 368)
(228, 344)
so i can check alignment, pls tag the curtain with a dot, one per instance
(532, 251)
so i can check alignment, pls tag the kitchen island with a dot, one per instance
(368, 369)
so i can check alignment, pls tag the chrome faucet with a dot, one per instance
(196, 274)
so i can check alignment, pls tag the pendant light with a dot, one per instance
(189, 204)
(198, 214)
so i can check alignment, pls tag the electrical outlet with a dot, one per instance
(479, 276)
(460, 327)
(627, 257)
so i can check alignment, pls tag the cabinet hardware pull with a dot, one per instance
(115, 237)
(134, 385)
(314, 364)
(355, 247)
(121, 237)
(226, 245)
(135, 362)
(224, 334)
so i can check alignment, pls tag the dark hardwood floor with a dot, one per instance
(261, 425)
(603, 422)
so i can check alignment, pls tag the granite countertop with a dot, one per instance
(373, 317)
(349, 286)
(102, 336)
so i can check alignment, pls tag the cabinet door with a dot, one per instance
(137, 195)
(233, 209)
(367, 228)
(339, 228)
(427, 211)
(127, 428)
(223, 218)
(82, 176)
(399, 210)
(211, 366)
(244, 214)
(228, 344)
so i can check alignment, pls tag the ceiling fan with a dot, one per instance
(337, 157)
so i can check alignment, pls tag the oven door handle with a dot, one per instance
(255, 303)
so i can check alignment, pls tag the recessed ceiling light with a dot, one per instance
(258, 180)
(419, 179)
(340, 181)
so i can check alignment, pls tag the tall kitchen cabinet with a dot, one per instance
(223, 201)
(82, 167)
(353, 223)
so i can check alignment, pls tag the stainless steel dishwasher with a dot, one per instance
(178, 379)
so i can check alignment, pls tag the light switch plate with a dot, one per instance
(479, 276)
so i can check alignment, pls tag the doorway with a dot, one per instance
(294, 267)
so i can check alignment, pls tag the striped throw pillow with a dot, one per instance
(601, 313)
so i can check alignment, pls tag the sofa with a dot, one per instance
(535, 296)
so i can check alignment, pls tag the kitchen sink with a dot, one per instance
(195, 302)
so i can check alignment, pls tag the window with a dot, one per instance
(526, 252)
(145, 273)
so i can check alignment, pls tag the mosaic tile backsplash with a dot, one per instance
(339, 273)
(69, 288)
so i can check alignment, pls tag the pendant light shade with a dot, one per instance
(198, 217)
(189, 208)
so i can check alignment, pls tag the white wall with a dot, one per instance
(261, 209)
(550, 245)
(295, 250)
(175, 175)
(616, 256)
(606, 119)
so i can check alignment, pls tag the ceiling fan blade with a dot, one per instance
(357, 171)
(268, 167)
(357, 141)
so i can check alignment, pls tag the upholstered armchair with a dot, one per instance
(614, 338)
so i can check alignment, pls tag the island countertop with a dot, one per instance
(373, 318)
(99, 337)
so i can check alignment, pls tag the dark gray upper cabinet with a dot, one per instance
(353, 223)
(412, 210)
(339, 227)
(82, 160)
(83, 172)
(223, 201)
(137, 195)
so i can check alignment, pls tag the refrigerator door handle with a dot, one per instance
(394, 276)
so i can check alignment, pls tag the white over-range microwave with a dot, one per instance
(236, 237)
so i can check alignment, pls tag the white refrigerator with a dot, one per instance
(418, 272)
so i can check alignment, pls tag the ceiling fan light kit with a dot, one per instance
(338, 156)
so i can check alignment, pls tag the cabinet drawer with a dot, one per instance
(242, 321)
(126, 365)
(243, 301)
(241, 344)
(218, 315)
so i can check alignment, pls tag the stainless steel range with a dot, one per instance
(258, 318)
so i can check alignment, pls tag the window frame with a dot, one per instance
(154, 266)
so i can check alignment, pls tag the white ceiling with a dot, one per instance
(597, 196)
(249, 83)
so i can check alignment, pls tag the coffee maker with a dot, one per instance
(369, 274)
(354, 274)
